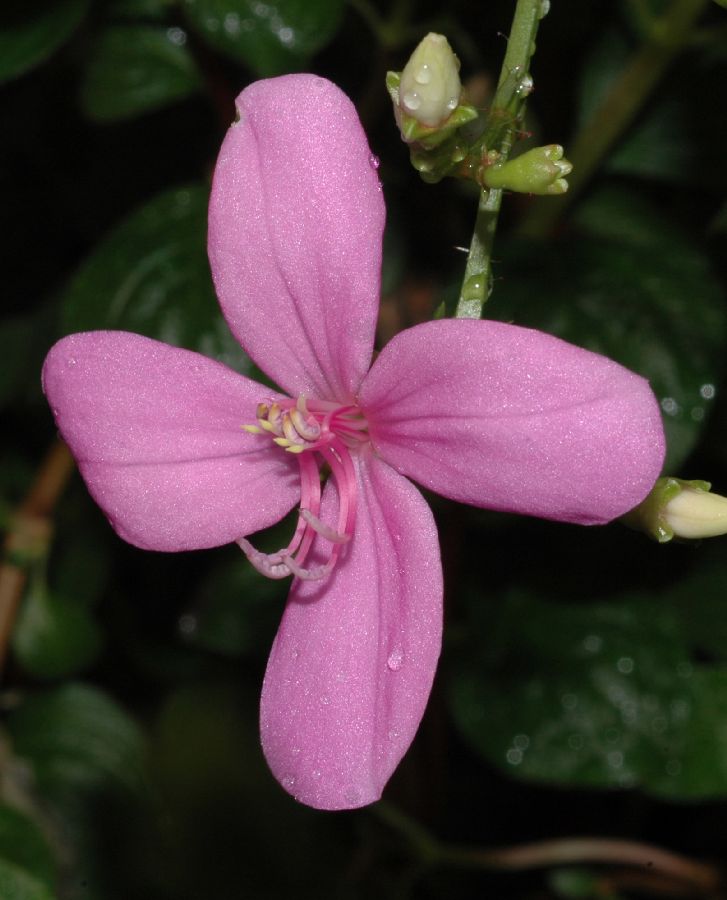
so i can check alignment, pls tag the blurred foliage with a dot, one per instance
(583, 684)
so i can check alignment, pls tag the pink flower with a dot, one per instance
(488, 414)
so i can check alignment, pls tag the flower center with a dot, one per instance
(317, 432)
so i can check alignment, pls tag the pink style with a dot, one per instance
(181, 452)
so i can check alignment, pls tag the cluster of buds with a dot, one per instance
(439, 126)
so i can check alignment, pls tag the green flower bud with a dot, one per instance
(539, 171)
(430, 89)
(681, 509)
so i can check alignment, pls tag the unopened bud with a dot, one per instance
(681, 509)
(430, 89)
(541, 170)
(696, 513)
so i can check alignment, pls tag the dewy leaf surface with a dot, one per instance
(271, 38)
(135, 69)
(150, 275)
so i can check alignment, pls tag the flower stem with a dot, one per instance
(506, 110)
(700, 877)
(30, 534)
(667, 37)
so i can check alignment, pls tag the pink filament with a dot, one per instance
(328, 430)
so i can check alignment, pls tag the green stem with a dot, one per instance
(520, 47)
(668, 36)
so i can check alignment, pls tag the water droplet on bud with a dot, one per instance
(412, 100)
(396, 658)
(424, 75)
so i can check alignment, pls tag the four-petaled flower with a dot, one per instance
(181, 452)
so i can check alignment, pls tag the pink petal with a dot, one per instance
(352, 665)
(157, 435)
(295, 225)
(512, 419)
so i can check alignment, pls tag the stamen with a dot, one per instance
(330, 432)
(330, 534)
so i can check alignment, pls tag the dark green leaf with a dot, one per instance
(138, 9)
(17, 884)
(647, 299)
(236, 611)
(151, 276)
(22, 843)
(76, 738)
(271, 38)
(54, 637)
(31, 32)
(134, 69)
(675, 138)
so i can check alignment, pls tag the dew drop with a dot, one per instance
(187, 624)
(232, 23)
(393, 734)
(670, 406)
(526, 86)
(514, 756)
(625, 665)
(707, 391)
(286, 36)
(615, 759)
(71, 361)
(316, 774)
(396, 658)
(288, 782)
(452, 103)
(412, 100)
(673, 767)
(474, 288)
(176, 36)
(424, 75)
(325, 700)
(521, 741)
(374, 161)
(544, 9)
(592, 643)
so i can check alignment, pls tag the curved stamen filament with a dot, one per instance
(329, 430)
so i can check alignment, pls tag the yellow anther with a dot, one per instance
(290, 432)
(262, 411)
(296, 448)
(252, 429)
(274, 413)
(265, 425)
(281, 442)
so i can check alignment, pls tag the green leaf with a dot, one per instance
(77, 739)
(23, 844)
(54, 637)
(151, 276)
(597, 695)
(235, 611)
(645, 297)
(675, 138)
(31, 32)
(270, 38)
(135, 69)
(17, 884)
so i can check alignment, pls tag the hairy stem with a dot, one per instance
(668, 36)
(507, 109)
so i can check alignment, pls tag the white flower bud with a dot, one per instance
(430, 88)
(696, 514)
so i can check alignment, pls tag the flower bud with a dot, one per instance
(696, 513)
(681, 509)
(430, 89)
(541, 170)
